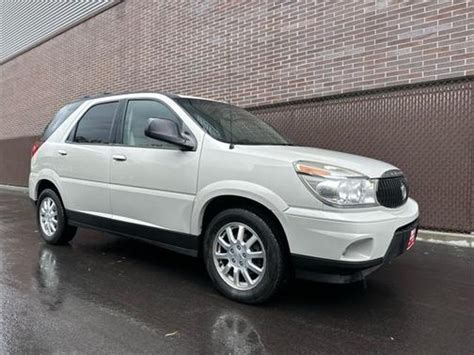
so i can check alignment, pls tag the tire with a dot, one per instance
(224, 256)
(54, 228)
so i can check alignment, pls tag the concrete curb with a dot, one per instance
(14, 188)
(447, 238)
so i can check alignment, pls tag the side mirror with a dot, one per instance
(168, 131)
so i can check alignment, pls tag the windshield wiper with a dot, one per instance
(257, 143)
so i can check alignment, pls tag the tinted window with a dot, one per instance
(136, 117)
(59, 118)
(229, 123)
(95, 126)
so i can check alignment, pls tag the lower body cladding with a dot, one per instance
(334, 250)
(342, 247)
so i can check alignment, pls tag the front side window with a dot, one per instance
(136, 118)
(96, 124)
(231, 124)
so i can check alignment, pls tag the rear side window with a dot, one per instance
(96, 124)
(58, 119)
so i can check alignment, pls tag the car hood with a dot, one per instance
(366, 166)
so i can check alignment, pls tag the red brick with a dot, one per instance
(251, 52)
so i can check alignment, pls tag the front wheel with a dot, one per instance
(244, 256)
(51, 219)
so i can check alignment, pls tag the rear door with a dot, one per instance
(153, 183)
(84, 163)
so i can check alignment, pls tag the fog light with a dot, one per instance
(359, 250)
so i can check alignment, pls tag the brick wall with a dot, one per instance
(253, 52)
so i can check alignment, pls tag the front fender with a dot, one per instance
(245, 189)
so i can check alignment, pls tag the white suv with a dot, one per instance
(209, 179)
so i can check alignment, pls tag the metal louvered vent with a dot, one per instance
(25, 24)
(392, 189)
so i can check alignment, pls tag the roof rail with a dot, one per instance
(96, 96)
(105, 94)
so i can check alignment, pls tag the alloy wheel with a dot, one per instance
(239, 256)
(48, 216)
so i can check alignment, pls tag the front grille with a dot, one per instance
(392, 189)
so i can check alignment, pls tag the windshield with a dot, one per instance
(231, 124)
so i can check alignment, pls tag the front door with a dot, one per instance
(153, 183)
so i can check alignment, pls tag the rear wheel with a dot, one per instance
(244, 256)
(51, 219)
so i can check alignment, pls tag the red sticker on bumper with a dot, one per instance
(412, 239)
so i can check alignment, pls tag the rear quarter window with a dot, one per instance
(59, 119)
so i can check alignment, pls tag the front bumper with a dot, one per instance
(333, 271)
(345, 235)
(351, 243)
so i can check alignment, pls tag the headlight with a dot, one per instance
(337, 186)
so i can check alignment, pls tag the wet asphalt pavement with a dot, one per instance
(107, 294)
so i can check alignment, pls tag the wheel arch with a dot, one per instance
(47, 184)
(45, 177)
(220, 203)
(236, 189)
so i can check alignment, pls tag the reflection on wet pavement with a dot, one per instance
(106, 294)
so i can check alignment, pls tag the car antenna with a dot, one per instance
(231, 146)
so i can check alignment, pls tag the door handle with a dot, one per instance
(119, 157)
(62, 152)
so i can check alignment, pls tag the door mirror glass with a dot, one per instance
(168, 131)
